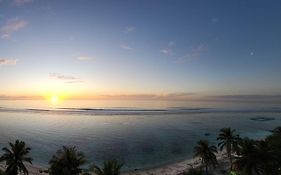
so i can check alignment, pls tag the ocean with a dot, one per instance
(141, 137)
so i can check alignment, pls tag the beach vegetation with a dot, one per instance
(256, 158)
(229, 141)
(207, 154)
(111, 167)
(67, 161)
(15, 156)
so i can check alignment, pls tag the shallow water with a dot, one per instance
(140, 139)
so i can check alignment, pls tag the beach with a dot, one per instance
(32, 169)
(183, 166)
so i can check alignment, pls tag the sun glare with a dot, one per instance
(54, 99)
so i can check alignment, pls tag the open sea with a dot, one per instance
(141, 137)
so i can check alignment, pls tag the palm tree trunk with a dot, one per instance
(206, 170)
(229, 150)
(230, 158)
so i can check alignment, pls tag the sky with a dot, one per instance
(141, 49)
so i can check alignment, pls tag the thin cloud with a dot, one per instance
(168, 50)
(75, 81)
(194, 53)
(171, 43)
(11, 27)
(130, 29)
(21, 2)
(5, 61)
(83, 58)
(65, 78)
(126, 47)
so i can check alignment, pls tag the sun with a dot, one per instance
(54, 99)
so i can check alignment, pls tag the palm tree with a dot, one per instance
(268, 157)
(256, 158)
(111, 167)
(206, 153)
(15, 158)
(228, 140)
(274, 141)
(67, 161)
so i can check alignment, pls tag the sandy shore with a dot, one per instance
(171, 169)
(33, 169)
(179, 167)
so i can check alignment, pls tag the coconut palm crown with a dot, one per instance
(111, 167)
(15, 156)
(67, 161)
(207, 154)
(229, 141)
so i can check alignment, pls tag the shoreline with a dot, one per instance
(180, 167)
(32, 169)
(169, 169)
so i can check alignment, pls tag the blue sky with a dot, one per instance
(90, 48)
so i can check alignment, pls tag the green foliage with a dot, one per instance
(15, 156)
(67, 161)
(257, 157)
(207, 154)
(274, 143)
(111, 167)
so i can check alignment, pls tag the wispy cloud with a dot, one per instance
(65, 78)
(12, 26)
(130, 29)
(74, 81)
(171, 43)
(21, 2)
(7, 61)
(168, 50)
(62, 77)
(84, 58)
(126, 47)
(193, 54)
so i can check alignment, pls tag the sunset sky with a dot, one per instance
(174, 49)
